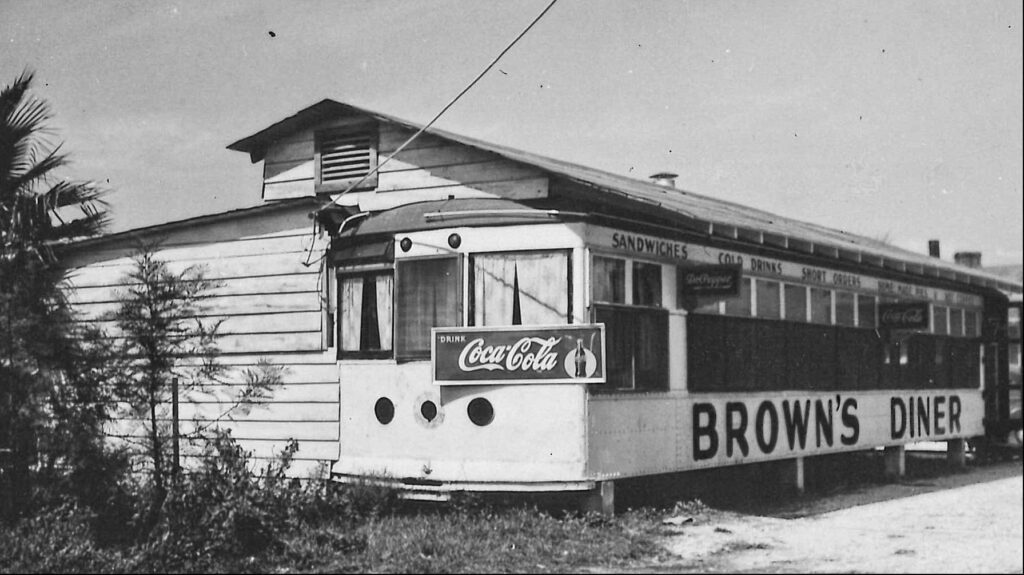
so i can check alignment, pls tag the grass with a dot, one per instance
(477, 540)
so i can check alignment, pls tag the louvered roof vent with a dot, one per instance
(344, 158)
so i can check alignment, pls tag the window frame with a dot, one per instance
(369, 182)
(460, 299)
(470, 287)
(339, 276)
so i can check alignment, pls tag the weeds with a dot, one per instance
(222, 517)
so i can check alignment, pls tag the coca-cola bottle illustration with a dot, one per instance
(581, 359)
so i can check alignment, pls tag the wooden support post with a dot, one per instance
(601, 499)
(956, 452)
(175, 441)
(789, 474)
(798, 475)
(895, 461)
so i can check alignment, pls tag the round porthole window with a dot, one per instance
(428, 410)
(480, 411)
(384, 410)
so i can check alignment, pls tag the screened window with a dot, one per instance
(740, 305)
(526, 288)
(646, 284)
(609, 276)
(365, 302)
(844, 308)
(427, 294)
(866, 310)
(796, 303)
(939, 315)
(821, 306)
(637, 347)
(768, 305)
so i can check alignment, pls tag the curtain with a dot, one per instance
(543, 288)
(609, 277)
(427, 295)
(385, 287)
(351, 312)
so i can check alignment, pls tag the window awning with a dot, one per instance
(346, 253)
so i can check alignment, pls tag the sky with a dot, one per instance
(899, 121)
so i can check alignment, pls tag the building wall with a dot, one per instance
(430, 168)
(271, 306)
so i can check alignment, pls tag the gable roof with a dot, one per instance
(710, 216)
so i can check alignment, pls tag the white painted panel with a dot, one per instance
(291, 150)
(288, 190)
(536, 434)
(658, 433)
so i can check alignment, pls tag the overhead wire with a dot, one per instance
(422, 129)
(447, 106)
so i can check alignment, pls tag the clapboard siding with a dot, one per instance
(277, 412)
(288, 322)
(227, 305)
(288, 171)
(269, 304)
(286, 263)
(244, 430)
(291, 283)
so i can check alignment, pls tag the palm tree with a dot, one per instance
(33, 200)
(38, 210)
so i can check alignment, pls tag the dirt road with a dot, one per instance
(965, 522)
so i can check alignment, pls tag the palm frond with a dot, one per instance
(34, 202)
(36, 174)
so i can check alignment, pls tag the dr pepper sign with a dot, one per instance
(518, 354)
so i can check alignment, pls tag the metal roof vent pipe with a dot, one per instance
(969, 259)
(667, 179)
(933, 249)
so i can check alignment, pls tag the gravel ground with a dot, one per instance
(959, 522)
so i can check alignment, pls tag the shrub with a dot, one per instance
(55, 540)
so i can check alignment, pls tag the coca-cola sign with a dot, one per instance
(519, 354)
(912, 315)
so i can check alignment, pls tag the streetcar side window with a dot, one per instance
(365, 304)
(866, 307)
(821, 306)
(939, 320)
(768, 299)
(956, 322)
(520, 288)
(609, 280)
(845, 308)
(740, 305)
(796, 302)
(646, 284)
(627, 299)
(428, 293)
